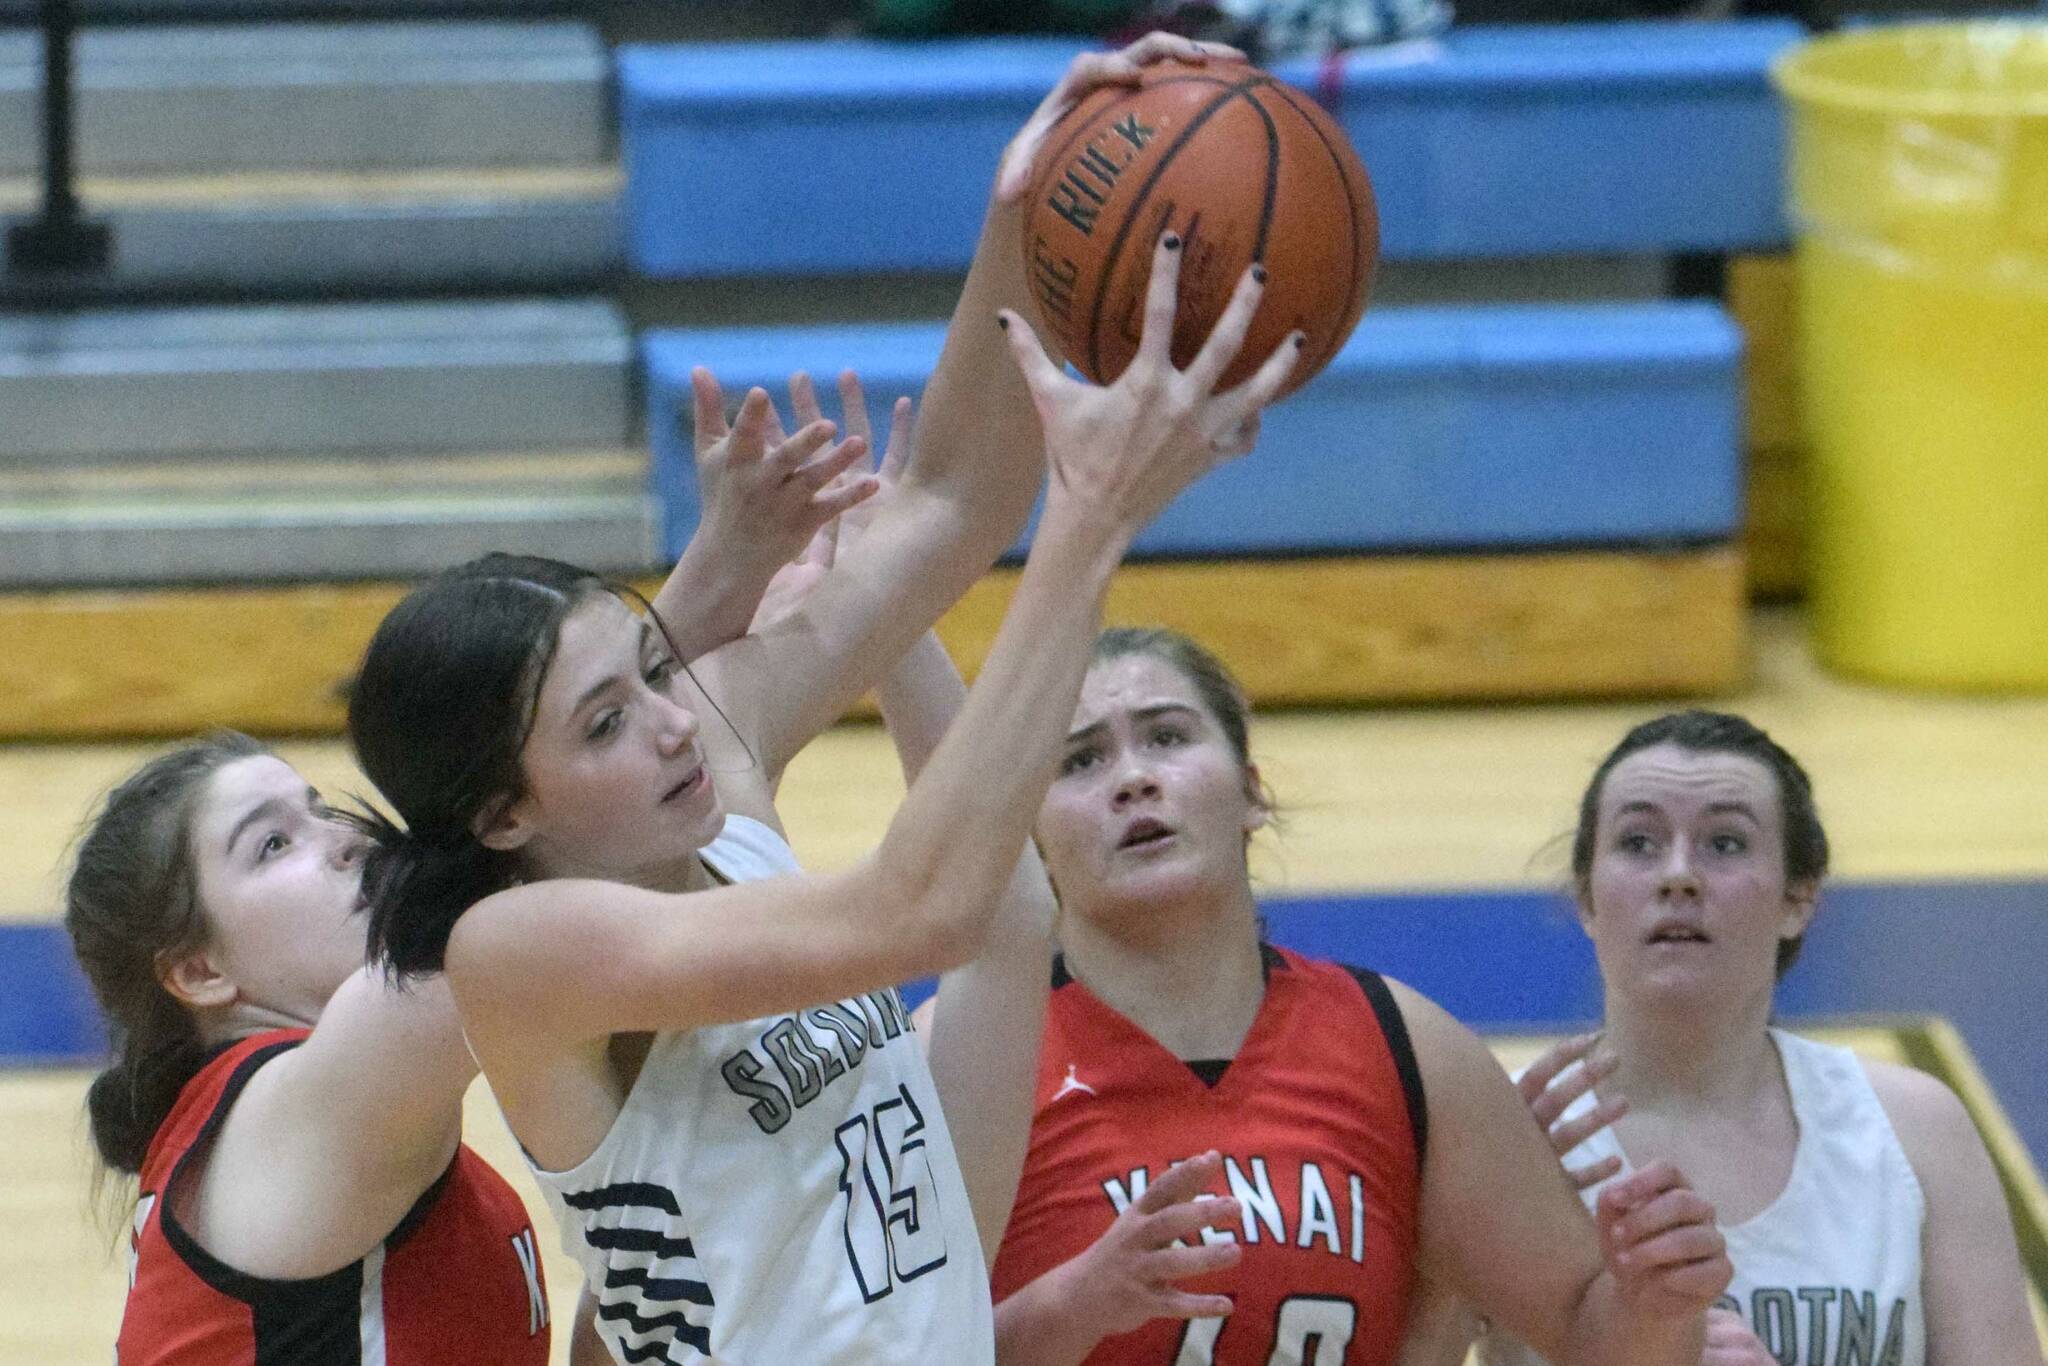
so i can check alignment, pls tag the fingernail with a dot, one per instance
(1171, 241)
(1259, 273)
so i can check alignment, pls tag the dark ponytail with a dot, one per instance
(438, 717)
(130, 905)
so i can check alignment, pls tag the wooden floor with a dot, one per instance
(1911, 787)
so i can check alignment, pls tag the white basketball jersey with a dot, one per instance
(1830, 1270)
(780, 1190)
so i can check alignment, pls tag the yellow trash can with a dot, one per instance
(1919, 191)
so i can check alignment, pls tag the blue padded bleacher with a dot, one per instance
(844, 155)
(1434, 429)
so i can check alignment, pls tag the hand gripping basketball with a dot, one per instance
(1126, 450)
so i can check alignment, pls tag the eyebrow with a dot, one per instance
(269, 808)
(1723, 808)
(610, 680)
(1156, 710)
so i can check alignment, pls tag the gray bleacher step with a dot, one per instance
(308, 96)
(337, 518)
(526, 229)
(278, 380)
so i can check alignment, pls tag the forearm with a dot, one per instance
(978, 436)
(1038, 1325)
(1605, 1332)
(990, 772)
(709, 598)
(919, 699)
(983, 1048)
(586, 1348)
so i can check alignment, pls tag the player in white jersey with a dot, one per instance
(700, 1046)
(1862, 1213)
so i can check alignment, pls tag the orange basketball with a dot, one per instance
(1245, 168)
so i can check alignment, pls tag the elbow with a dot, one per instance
(937, 922)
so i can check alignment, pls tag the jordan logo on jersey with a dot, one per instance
(810, 1050)
(1313, 1220)
(1072, 1084)
(529, 1266)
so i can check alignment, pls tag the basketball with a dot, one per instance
(1245, 168)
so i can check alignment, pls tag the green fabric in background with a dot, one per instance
(928, 18)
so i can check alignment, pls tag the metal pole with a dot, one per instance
(60, 239)
(60, 197)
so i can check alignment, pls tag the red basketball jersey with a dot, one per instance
(458, 1282)
(1321, 1124)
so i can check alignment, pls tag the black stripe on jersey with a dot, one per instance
(1396, 1031)
(634, 1194)
(316, 1321)
(658, 1351)
(657, 1287)
(639, 1240)
(675, 1325)
(1269, 961)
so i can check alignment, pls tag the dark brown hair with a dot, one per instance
(438, 717)
(130, 905)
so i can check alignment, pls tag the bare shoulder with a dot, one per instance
(1933, 1127)
(1439, 1038)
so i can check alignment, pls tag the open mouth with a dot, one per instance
(687, 787)
(1678, 934)
(1145, 833)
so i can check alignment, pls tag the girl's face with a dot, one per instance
(616, 784)
(280, 882)
(1687, 896)
(1151, 805)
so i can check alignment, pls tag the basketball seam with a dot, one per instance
(1131, 215)
(1056, 156)
(1272, 176)
(1350, 197)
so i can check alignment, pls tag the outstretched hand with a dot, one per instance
(765, 495)
(1087, 72)
(1125, 450)
(1130, 1275)
(1550, 1086)
(793, 583)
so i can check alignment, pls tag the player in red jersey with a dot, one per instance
(1355, 1133)
(294, 1121)
(293, 1118)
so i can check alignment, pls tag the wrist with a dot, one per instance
(1658, 1337)
(1083, 525)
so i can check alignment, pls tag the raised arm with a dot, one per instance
(763, 497)
(965, 497)
(584, 959)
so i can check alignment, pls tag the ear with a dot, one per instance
(1582, 905)
(196, 980)
(1257, 810)
(1802, 899)
(506, 826)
